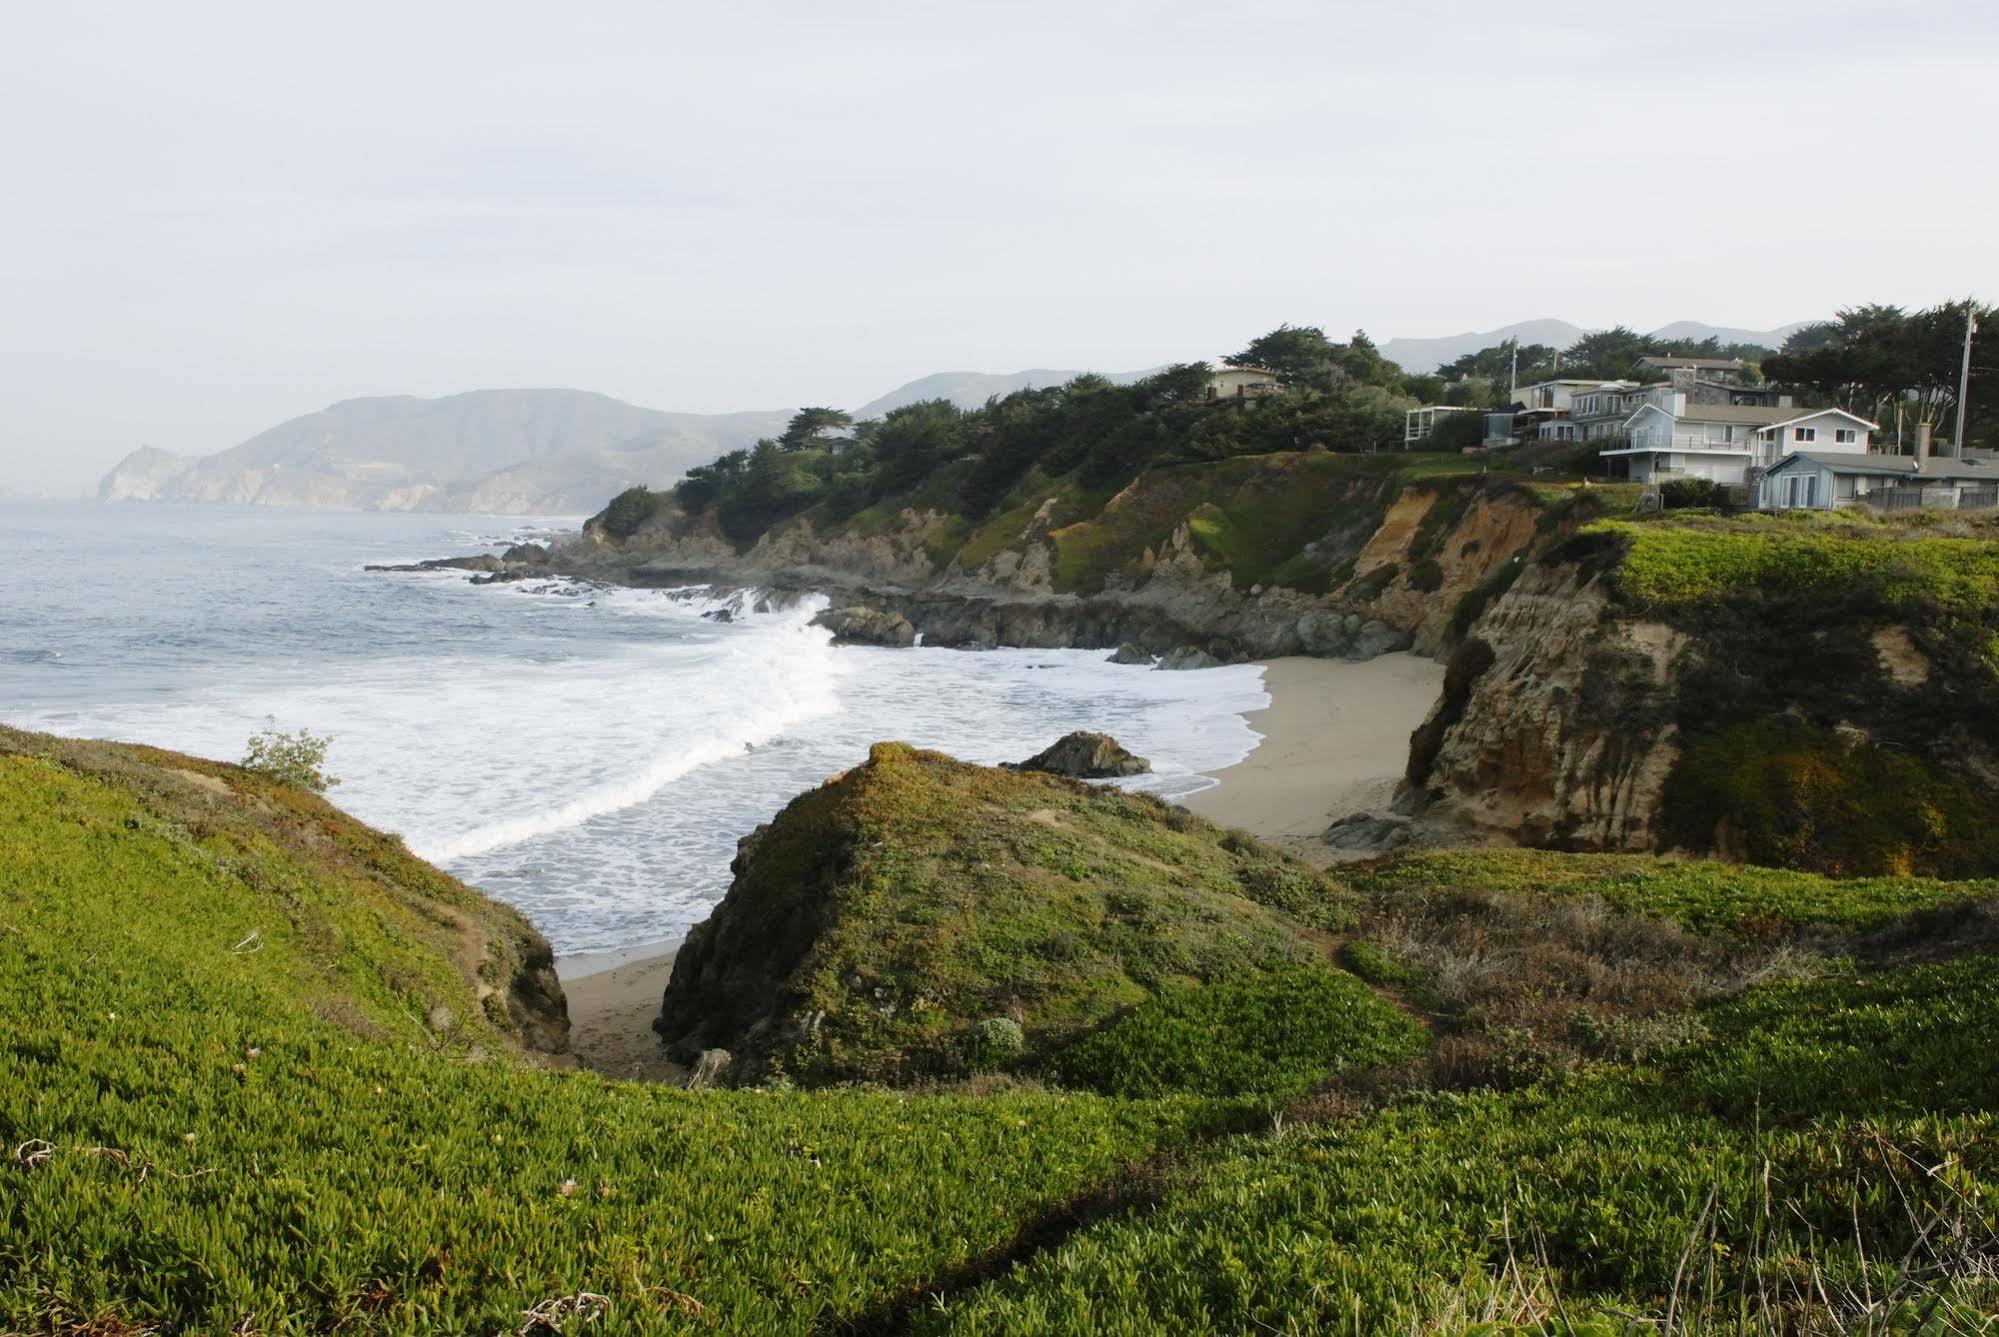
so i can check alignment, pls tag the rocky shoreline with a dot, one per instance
(1184, 627)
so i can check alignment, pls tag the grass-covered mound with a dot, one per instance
(260, 1070)
(892, 923)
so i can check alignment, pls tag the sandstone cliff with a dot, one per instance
(1807, 695)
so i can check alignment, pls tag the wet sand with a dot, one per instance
(1336, 740)
(613, 997)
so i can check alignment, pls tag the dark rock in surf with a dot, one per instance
(1084, 756)
(1188, 657)
(867, 626)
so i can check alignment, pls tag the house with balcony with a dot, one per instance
(1728, 443)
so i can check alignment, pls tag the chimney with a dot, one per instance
(1922, 445)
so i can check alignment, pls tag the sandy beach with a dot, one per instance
(613, 997)
(1336, 739)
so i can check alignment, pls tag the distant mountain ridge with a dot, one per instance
(567, 452)
(969, 389)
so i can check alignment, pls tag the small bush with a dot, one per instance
(994, 1043)
(630, 509)
(1427, 576)
(1688, 493)
(297, 758)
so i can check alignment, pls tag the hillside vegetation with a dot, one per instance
(1831, 702)
(1763, 1124)
(248, 1081)
(261, 1071)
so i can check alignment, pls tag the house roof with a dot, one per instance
(1896, 466)
(1254, 371)
(1853, 462)
(1755, 415)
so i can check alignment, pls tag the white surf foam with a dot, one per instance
(775, 677)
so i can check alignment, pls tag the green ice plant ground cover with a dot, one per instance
(221, 1105)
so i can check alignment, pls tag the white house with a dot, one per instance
(1242, 383)
(1812, 480)
(1725, 442)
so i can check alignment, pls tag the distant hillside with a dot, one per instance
(507, 451)
(969, 389)
(1426, 355)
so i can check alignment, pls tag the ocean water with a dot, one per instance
(590, 755)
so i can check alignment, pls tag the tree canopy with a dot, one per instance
(1870, 358)
(809, 425)
(1093, 431)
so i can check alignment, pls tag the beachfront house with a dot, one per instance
(1542, 409)
(1726, 442)
(1815, 480)
(1240, 383)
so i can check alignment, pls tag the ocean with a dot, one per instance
(587, 754)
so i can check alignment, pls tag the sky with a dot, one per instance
(218, 216)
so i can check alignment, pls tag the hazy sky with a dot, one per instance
(218, 216)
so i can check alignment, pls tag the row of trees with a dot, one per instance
(1481, 379)
(1874, 360)
(1337, 396)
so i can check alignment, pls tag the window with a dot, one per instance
(1843, 435)
(1804, 433)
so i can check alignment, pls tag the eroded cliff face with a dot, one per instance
(1556, 727)
(1838, 731)
(1156, 567)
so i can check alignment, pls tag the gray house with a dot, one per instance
(1826, 481)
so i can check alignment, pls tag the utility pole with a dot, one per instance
(1964, 376)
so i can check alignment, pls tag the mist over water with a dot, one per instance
(590, 755)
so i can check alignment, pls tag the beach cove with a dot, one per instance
(1333, 740)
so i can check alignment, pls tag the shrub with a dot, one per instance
(297, 758)
(630, 509)
(1426, 575)
(1686, 493)
(994, 1043)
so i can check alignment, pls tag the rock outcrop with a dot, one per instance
(1551, 729)
(1084, 756)
(881, 924)
(867, 626)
